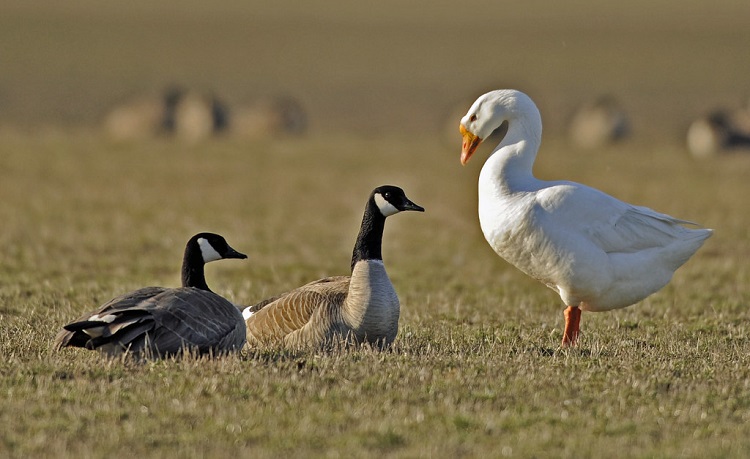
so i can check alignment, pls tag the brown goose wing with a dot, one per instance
(309, 307)
(320, 285)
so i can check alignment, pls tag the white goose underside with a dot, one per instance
(595, 251)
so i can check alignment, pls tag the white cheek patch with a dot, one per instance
(207, 250)
(246, 313)
(386, 208)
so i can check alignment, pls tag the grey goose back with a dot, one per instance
(361, 308)
(158, 321)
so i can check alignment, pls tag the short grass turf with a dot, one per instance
(476, 370)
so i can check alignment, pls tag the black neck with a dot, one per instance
(370, 238)
(192, 269)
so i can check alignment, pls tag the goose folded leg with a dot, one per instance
(356, 309)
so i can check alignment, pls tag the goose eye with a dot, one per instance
(473, 118)
(387, 195)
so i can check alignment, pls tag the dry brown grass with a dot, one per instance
(476, 371)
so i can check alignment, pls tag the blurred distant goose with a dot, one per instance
(719, 132)
(157, 321)
(598, 123)
(144, 117)
(596, 252)
(269, 117)
(359, 308)
(197, 116)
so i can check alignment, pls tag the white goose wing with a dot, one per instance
(578, 212)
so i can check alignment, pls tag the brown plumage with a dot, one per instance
(305, 315)
(361, 308)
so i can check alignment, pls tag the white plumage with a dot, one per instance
(597, 252)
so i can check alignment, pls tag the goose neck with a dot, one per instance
(370, 238)
(512, 161)
(193, 270)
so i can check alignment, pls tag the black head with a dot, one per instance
(391, 199)
(213, 247)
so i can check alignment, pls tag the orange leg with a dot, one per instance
(572, 322)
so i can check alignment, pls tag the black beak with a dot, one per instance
(408, 205)
(231, 253)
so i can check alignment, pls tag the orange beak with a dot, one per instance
(469, 146)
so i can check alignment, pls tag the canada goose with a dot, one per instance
(185, 114)
(596, 252)
(598, 123)
(158, 321)
(361, 308)
(270, 117)
(144, 117)
(198, 117)
(719, 132)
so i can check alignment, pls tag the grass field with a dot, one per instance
(476, 370)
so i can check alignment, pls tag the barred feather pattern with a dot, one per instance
(363, 308)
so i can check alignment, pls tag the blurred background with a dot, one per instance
(408, 68)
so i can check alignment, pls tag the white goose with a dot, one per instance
(597, 252)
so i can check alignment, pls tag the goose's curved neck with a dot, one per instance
(370, 238)
(192, 270)
(512, 161)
